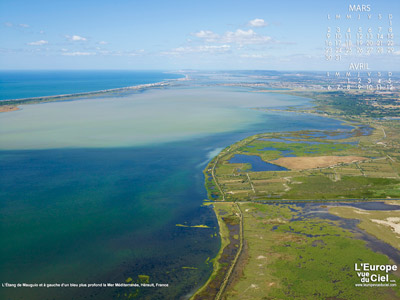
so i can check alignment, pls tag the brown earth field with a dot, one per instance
(303, 163)
(6, 108)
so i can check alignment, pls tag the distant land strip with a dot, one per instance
(66, 96)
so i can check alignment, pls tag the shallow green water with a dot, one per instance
(138, 119)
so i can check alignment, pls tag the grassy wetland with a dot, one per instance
(296, 191)
(292, 256)
(317, 167)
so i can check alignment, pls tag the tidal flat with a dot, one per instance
(92, 189)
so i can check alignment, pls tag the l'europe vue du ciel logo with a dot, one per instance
(376, 275)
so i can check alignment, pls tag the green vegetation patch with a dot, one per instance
(297, 149)
(321, 187)
(302, 258)
(321, 264)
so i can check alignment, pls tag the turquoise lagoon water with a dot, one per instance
(28, 84)
(91, 190)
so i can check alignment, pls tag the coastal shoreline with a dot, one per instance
(12, 104)
(223, 235)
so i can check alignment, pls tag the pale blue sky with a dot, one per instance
(120, 34)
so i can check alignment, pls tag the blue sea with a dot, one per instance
(27, 84)
(91, 190)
